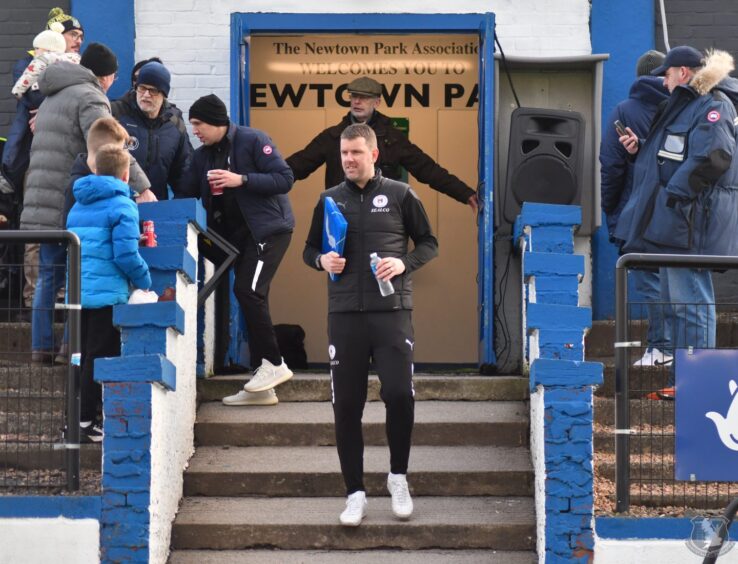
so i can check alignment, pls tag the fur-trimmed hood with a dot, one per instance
(718, 65)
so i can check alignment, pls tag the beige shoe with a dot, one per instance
(268, 376)
(269, 397)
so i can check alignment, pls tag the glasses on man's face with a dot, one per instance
(150, 90)
(76, 35)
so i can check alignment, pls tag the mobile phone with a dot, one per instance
(620, 128)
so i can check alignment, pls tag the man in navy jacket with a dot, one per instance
(243, 183)
(685, 186)
(637, 112)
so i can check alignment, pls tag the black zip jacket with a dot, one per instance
(380, 217)
(395, 151)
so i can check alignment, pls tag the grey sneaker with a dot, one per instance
(268, 397)
(268, 376)
(402, 503)
(355, 510)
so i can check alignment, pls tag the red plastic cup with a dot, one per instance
(214, 190)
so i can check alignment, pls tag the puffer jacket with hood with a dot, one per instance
(106, 221)
(685, 180)
(74, 100)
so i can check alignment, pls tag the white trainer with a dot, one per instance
(268, 376)
(653, 357)
(355, 510)
(402, 503)
(269, 397)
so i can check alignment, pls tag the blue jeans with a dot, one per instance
(692, 300)
(52, 270)
(647, 283)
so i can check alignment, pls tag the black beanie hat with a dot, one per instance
(210, 109)
(99, 59)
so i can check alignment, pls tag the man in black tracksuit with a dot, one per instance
(381, 215)
(243, 183)
(395, 149)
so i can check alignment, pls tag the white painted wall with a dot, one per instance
(653, 551)
(537, 452)
(173, 420)
(193, 37)
(40, 541)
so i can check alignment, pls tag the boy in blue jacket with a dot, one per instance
(106, 220)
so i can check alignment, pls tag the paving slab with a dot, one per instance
(315, 471)
(354, 557)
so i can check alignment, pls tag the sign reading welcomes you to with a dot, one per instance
(415, 70)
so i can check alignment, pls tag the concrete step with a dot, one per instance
(34, 456)
(315, 471)
(354, 557)
(599, 341)
(22, 378)
(15, 338)
(312, 524)
(642, 412)
(317, 387)
(500, 423)
(641, 379)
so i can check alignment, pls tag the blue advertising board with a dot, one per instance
(706, 446)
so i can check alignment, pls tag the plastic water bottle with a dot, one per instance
(385, 286)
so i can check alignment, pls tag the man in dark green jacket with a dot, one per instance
(395, 149)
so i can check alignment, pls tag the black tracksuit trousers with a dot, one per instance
(387, 338)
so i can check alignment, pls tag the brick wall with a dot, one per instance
(18, 26)
(193, 38)
(703, 24)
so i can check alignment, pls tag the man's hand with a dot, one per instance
(332, 262)
(473, 203)
(32, 121)
(389, 267)
(146, 196)
(629, 141)
(224, 178)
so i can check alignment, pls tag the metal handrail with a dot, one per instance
(717, 541)
(231, 253)
(622, 405)
(74, 306)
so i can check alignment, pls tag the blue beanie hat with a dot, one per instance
(156, 75)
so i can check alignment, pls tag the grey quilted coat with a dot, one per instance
(74, 100)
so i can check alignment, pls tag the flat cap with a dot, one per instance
(365, 86)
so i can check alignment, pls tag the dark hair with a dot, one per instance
(112, 160)
(360, 130)
(138, 66)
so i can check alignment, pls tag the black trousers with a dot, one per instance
(387, 338)
(100, 338)
(254, 269)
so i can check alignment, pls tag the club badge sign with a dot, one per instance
(424, 71)
(706, 445)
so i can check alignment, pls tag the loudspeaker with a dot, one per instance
(544, 162)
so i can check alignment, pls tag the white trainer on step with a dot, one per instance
(402, 503)
(653, 357)
(355, 510)
(243, 397)
(268, 376)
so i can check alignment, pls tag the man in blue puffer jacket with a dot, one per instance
(616, 184)
(685, 186)
(106, 220)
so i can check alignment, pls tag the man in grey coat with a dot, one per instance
(75, 98)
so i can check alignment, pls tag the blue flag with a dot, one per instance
(334, 230)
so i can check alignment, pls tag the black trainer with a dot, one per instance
(90, 432)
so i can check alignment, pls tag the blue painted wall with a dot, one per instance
(624, 32)
(113, 24)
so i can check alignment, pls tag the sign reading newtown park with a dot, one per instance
(423, 71)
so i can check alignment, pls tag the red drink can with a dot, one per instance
(148, 229)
